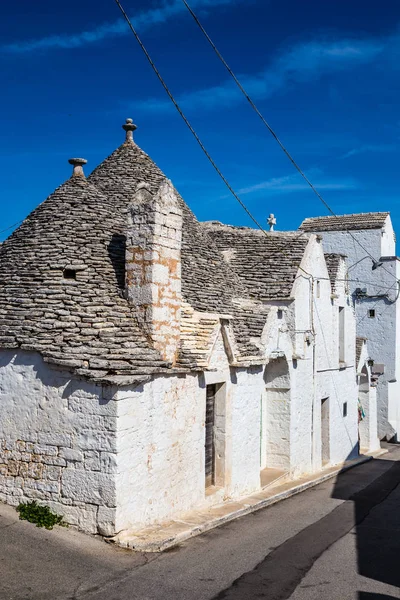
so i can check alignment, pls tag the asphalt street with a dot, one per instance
(337, 541)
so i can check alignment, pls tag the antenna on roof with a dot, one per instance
(271, 221)
(129, 127)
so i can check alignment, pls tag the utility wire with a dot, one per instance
(272, 132)
(197, 138)
(178, 108)
(11, 226)
(331, 371)
(378, 301)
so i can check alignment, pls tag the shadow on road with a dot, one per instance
(375, 525)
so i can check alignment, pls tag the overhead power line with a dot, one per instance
(192, 130)
(178, 108)
(272, 132)
(11, 226)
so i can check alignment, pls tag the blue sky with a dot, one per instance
(324, 74)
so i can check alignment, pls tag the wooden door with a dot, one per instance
(209, 436)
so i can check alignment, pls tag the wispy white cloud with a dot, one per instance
(373, 148)
(293, 183)
(299, 64)
(142, 21)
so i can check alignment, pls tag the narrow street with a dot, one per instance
(336, 541)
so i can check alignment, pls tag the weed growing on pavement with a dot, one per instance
(41, 515)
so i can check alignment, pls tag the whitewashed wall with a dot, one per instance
(368, 427)
(333, 381)
(383, 331)
(58, 441)
(160, 450)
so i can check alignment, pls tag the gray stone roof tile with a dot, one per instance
(267, 264)
(82, 322)
(372, 220)
(333, 263)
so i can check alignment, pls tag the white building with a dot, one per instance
(150, 364)
(368, 241)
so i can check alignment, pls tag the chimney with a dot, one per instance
(129, 127)
(153, 265)
(77, 164)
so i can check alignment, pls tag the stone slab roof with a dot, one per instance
(209, 284)
(266, 264)
(360, 341)
(373, 220)
(83, 323)
(248, 325)
(333, 262)
(198, 334)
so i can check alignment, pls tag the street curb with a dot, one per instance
(140, 541)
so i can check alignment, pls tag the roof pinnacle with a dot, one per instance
(129, 127)
(77, 164)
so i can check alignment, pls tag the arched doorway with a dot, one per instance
(275, 416)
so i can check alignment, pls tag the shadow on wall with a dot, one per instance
(24, 364)
(377, 527)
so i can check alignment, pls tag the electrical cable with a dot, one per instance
(272, 132)
(11, 226)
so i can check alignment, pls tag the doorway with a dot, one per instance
(325, 452)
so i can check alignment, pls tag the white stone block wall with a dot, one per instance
(382, 331)
(333, 380)
(301, 378)
(160, 450)
(58, 442)
(245, 398)
(153, 265)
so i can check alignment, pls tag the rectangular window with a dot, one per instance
(345, 409)
(371, 313)
(341, 334)
(318, 289)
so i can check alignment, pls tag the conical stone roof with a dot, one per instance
(62, 275)
(208, 284)
(82, 322)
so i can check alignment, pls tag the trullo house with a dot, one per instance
(151, 364)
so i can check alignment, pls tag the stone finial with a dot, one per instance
(129, 127)
(77, 164)
(271, 221)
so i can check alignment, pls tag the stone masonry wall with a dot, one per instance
(160, 450)
(382, 331)
(153, 266)
(57, 442)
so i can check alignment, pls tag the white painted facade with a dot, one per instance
(110, 458)
(368, 423)
(58, 441)
(375, 289)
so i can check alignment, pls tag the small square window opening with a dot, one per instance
(345, 409)
(280, 314)
(69, 274)
(371, 313)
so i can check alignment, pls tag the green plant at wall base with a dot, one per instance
(41, 515)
